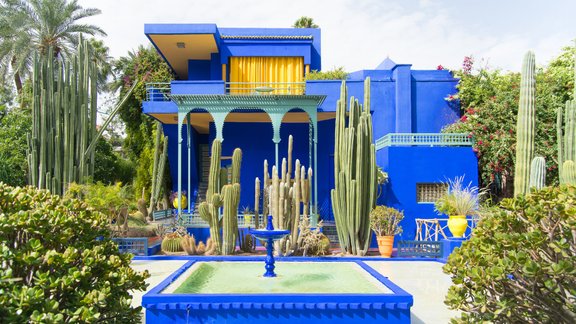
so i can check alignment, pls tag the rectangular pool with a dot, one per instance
(220, 291)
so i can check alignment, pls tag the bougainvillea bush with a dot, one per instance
(58, 264)
(520, 264)
(489, 102)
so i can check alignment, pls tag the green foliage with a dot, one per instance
(146, 65)
(337, 73)
(520, 265)
(305, 22)
(58, 264)
(109, 166)
(31, 26)
(13, 163)
(489, 101)
(385, 221)
(107, 199)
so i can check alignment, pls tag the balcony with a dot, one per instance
(424, 139)
(161, 91)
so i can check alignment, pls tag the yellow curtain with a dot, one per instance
(247, 73)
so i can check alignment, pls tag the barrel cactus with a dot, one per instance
(172, 243)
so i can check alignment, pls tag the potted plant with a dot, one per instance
(385, 221)
(457, 203)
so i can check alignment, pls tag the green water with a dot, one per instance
(293, 277)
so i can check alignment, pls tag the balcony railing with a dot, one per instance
(424, 139)
(266, 88)
(158, 91)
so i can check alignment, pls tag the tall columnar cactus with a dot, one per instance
(538, 173)
(159, 166)
(63, 120)
(354, 195)
(221, 194)
(569, 172)
(209, 209)
(231, 197)
(525, 127)
(566, 132)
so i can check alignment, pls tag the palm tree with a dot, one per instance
(103, 62)
(27, 26)
(305, 22)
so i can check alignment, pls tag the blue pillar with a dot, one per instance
(403, 80)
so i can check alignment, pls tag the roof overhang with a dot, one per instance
(178, 43)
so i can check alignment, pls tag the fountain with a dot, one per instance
(270, 235)
(230, 289)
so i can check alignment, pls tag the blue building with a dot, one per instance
(246, 86)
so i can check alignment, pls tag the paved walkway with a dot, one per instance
(423, 279)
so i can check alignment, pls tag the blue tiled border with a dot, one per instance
(345, 308)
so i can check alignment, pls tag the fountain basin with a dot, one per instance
(269, 234)
(311, 289)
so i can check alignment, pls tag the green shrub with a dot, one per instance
(13, 161)
(58, 264)
(520, 264)
(334, 74)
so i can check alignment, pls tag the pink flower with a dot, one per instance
(439, 67)
(463, 118)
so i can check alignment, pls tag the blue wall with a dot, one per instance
(171, 131)
(407, 166)
(199, 70)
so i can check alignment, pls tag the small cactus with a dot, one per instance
(210, 247)
(538, 173)
(569, 172)
(189, 244)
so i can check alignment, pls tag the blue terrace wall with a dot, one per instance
(409, 165)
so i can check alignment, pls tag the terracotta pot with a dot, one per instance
(385, 244)
(457, 225)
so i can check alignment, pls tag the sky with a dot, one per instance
(359, 34)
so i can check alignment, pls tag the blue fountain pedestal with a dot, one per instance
(270, 235)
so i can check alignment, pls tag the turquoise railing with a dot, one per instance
(424, 139)
(158, 91)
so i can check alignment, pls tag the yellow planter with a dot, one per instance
(184, 202)
(457, 225)
(385, 244)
